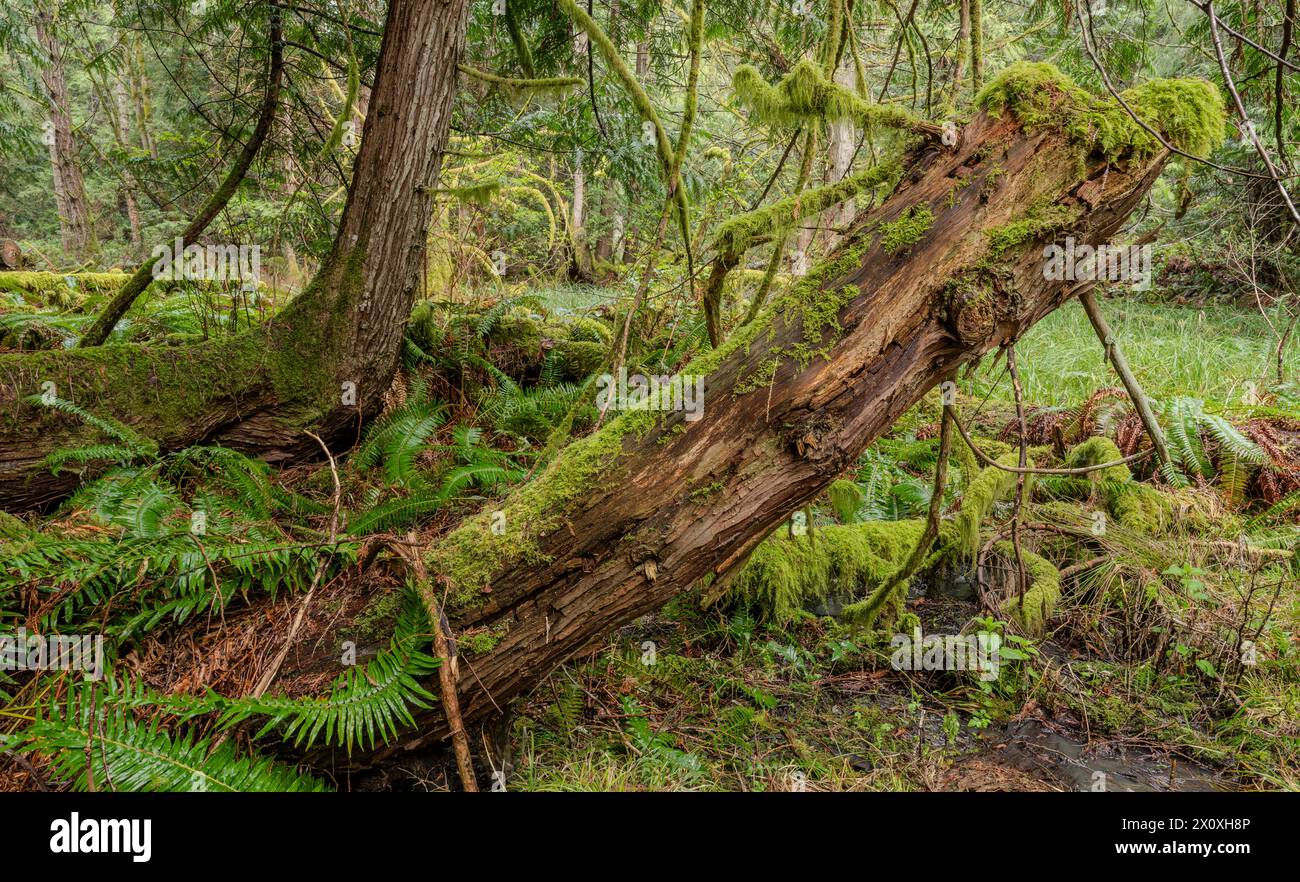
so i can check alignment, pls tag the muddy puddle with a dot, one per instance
(1061, 760)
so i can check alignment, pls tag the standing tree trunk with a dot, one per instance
(841, 141)
(119, 112)
(580, 256)
(324, 362)
(76, 227)
(963, 40)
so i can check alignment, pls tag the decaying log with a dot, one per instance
(653, 503)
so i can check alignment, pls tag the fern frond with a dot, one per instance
(117, 431)
(395, 514)
(127, 754)
(363, 702)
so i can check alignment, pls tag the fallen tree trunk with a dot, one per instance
(950, 267)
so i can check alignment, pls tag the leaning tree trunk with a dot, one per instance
(631, 516)
(325, 361)
(75, 225)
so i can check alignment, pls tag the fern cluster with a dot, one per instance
(365, 704)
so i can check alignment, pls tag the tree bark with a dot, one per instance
(630, 517)
(324, 362)
(76, 227)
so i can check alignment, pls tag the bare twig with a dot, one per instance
(447, 669)
(987, 460)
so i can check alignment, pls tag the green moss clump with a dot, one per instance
(907, 230)
(701, 494)
(1139, 507)
(1188, 112)
(1095, 451)
(12, 527)
(376, 618)
(472, 554)
(160, 390)
(62, 290)
(1040, 597)
(579, 358)
(1039, 222)
(585, 329)
(481, 641)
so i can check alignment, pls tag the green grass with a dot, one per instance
(576, 298)
(1209, 353)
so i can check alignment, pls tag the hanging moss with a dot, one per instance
(845, 497)
(907, 230)
(1188, 112)
(515, 86)
(784, 574)
(480, 194)
(522, 51)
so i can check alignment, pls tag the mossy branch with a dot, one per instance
(532, 83)
(664, 147)
(517, 40)
(806, 94)
(740, 233)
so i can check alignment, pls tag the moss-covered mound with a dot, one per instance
(1040, 597)
(1188, 113)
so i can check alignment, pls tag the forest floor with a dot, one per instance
(692, 699)
(1133, 684)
